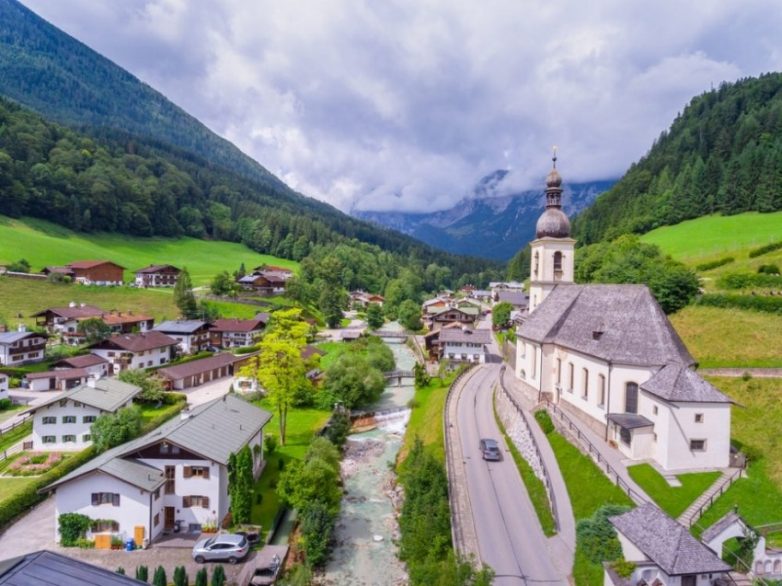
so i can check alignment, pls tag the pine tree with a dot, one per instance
(160, 577)
(218, 576)
(184, 297)
(142, 573)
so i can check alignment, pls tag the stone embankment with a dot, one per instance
(516, 427)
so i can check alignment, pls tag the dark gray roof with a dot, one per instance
(11, 337)
(666, 543)
(620, 323)
(180, 326)
(721, 525)
(44, 568)
(465, 335)
(630, 420)
(213, 430)
(108, 394)
(679, 384)
(515, 298)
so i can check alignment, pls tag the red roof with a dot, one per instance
(158, 269)
(66, 374)
(136, 342)
(75, 312)
(89, 264)
(83, 361)
(237, 325)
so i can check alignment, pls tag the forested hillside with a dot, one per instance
(723, 154)
(53, 73)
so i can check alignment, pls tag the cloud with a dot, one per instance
(405, 105)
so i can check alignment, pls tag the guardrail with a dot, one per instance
(594, 453)
(19, 422)
(547, 480)
(457, 530)
(699, 512)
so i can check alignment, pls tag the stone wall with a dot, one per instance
(517, 430)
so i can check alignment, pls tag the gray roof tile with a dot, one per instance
(465, 335)
(680, 384)
(108, 394)
(181, 326)
(666, 543)
(46, 567)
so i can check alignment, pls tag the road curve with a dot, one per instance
(509, 534)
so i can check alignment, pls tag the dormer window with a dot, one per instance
(596, 335)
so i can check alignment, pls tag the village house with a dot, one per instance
(518, 299)
(191, 335)
(608, 355)
(432, 340)
(22, 347)
(465, 315)
(91, 272)
(131, 351)
(481, 295)
(362, 299)
(157, 276)
(198, 372)
(65, 320)
(64, 423)
(464, 344)
(663, 552)
(94, 365)
(174, 476)
(28, 569)
(235, 333)
(55, 380)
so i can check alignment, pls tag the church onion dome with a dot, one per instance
(553, 179)
(553, 224)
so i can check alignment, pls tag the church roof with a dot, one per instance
(620, 323)
(677, 383)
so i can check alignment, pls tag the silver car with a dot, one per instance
(225, 547)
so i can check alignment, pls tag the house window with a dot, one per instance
(534, 361)
(625, 436)
(164, 448)
(196, 472)
(689, 580)
(631, 398)
(156, 519)
(655, 410)
(88, 419)
(699, 418)
(195, 501)
(585, 376)
(559, 371)
(68, 439)
(49, 439)
(86, 437)
(102, 525)
(572, 373)
(557, 262)
(156, 493)
(174, 449)
(601, 390)
(105, 498)
(654, 437)
(170, 487)
(49, 420)
(698, 445)
(63, 402)
(69, 419)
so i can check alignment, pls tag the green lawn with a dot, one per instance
(719, 337)
(712, 237)
(43, 243)
(333, 350)
(302, 426)
(672, 500)
(426, 419)
(10, 412)
(15, 435)
(588, 489)
(756, 429)
(535, 487)
(11, 486)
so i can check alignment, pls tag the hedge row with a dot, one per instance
(163, 416)
(746, 280)
(765, 249)
(21, 502)
(720, 262)
(754, 302)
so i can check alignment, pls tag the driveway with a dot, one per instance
(510, 538)
(209, 391)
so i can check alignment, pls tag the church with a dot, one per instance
(608, 355)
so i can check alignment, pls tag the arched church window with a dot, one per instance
(536, 265)
(558, 261)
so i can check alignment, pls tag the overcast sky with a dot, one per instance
(404, 105)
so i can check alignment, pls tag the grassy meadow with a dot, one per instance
(672, 500)
(43, 243)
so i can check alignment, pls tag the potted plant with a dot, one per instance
(116, 542)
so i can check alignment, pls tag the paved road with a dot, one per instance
(510, 538)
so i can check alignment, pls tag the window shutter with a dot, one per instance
(188, 472)
(115, 499)
(95, 498)
(206, 471)
(186, 501)
(205, 502)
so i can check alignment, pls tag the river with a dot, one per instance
(366, 553)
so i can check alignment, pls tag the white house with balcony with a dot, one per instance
(608, 355)
(191, 335)
(22, 347)
(131, 351)
(64, 423)
(462, 344)
(176, 475)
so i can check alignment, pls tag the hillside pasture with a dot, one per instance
(42, 243)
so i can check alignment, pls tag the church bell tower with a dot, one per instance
(551, 253)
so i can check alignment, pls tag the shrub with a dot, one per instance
(338, 428)
(159, 578)
(73, 526)
(84, 543)
(270, 443)
(762, 303)
(544, 420)
(201, 579)
(113, 429)
(624, 568)
(746, 280)
(120, 570)
(180, 576)
(768, 269)
(707, 266)
(6, 404)
(142, 573)
(218, 576)
(755, 252)
(598, 537)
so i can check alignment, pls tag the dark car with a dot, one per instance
(490, 450)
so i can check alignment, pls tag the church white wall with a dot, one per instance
(675, 452)
(585, 398)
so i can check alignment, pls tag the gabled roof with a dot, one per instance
(11, 337)
(213, 430)
(721, 525)
(158, 269)
(680, 384)
(108, 394)
(620, 323)
(91, 264)
(237, 325)
(515, 298)
(75, 312)
(180, 371)
(84, 361)
(469, 311)
(136, 342)
(114, 318)
(65, 373)
(465, 335)
(181, 326)
(666, 543)
(42, 568)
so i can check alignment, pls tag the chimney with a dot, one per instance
(185, 414)
(91, 382)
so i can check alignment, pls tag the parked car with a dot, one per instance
(266, 574)
(490, 450)
(225, 547)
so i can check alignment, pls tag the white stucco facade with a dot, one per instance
(552, 261)
(120, 360)
(3, 386)
(464, 352)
